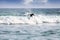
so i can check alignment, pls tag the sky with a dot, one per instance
(29, 3)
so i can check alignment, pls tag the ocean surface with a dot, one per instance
(16, 24)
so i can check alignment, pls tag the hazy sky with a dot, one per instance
(29, 3)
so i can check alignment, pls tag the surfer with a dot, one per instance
(31, 15)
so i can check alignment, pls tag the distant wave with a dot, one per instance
(29, 20)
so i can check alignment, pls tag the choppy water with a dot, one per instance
(15, 25)
(10, 16)
(21, 11)
(30, 32)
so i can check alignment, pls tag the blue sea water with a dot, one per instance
(30, 32)
(14, 25)
(21, 11)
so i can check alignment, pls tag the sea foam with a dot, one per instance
(37, 19)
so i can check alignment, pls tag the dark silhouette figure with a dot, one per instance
(31, 15)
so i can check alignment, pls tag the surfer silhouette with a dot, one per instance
(31, 15)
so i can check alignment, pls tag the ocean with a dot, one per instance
(16, 24)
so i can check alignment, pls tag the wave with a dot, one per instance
(37, 19)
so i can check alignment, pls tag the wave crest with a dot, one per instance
(29, 20)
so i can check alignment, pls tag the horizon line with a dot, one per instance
(36, 7)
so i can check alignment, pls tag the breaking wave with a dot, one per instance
(37, 19)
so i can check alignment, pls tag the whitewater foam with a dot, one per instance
(32, 20)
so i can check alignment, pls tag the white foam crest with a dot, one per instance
(32, 20)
